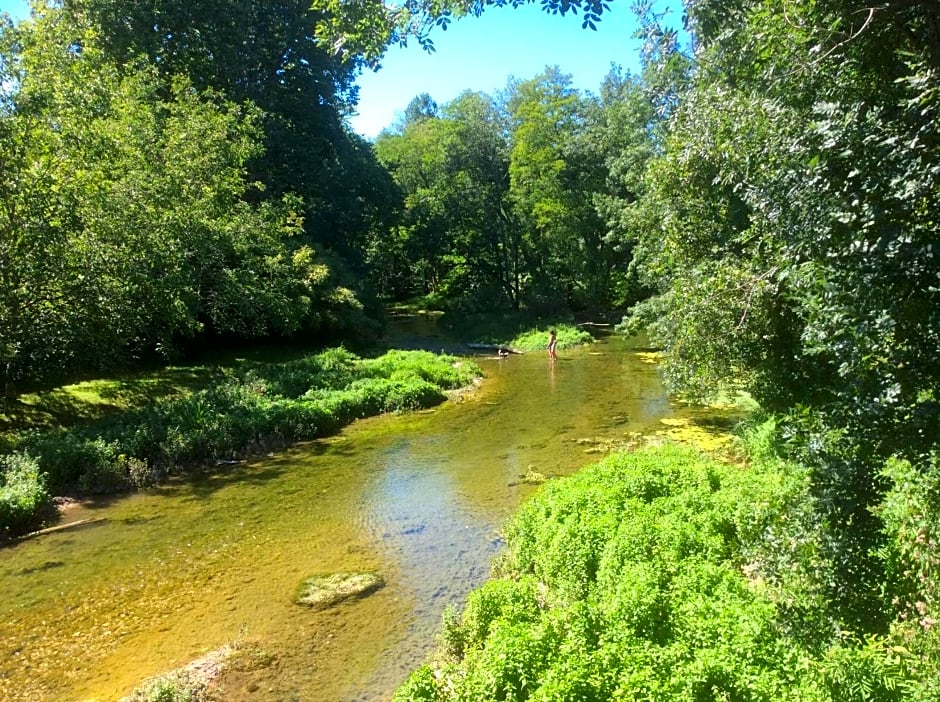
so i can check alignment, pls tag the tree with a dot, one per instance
(793, 250)
(128, 226)
(266, 53)
(551, 171)
(420, 108)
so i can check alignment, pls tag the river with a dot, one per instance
(167, 575)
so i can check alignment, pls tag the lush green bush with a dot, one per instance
(330, 369)
(271, 405)
(22, 492)
(521, 331)
(911, 554)
(634, 579)
(537, 339)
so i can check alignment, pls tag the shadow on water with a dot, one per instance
(178, 571)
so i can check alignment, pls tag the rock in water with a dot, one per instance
(322, 591)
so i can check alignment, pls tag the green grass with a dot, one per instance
(221, 415)
(519, 331)
(92, 399)
(537, 339)
(89, 399)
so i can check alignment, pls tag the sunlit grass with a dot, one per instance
(537, 339)
(518, 331)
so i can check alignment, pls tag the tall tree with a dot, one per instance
(794, 242)
(551, 170)
(266, 53)
(620, 127)
(128, 225)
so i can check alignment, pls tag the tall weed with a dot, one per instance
(22, 492)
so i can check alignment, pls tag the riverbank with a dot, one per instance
(173, 572)
(666, 574)
(251, 411)
(113, 435)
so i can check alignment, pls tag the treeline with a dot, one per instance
(172, 172)
(515, 200)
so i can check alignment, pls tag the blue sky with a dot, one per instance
(481, 53)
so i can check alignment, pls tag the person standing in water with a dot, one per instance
(552, 343)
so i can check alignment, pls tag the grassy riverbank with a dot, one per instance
(519, 331)
(239, 411)
(666, 575)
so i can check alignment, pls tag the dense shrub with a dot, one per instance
(269, 406)
(633, 580)
(22, 492)
(180, 686)
(537, 339)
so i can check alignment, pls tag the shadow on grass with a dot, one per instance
(89, 400)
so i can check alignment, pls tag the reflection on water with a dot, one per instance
(176, 572)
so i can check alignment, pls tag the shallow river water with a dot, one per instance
(165, 576)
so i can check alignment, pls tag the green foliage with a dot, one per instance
(269, 406)
(788, 233)
(642, 578)
(911, 514)
(457, 238)
(22, 492)
(329, 369)
(181, 686)
(514, 202)
(789, 228)
(421, 686)
(537, 339)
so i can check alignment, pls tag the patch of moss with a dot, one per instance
(323, 591)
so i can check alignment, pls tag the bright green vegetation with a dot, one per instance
(261, 407)
(524, 332)
(23, 491)
(664, 575)
(537, 339)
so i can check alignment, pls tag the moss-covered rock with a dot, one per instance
(323, 591)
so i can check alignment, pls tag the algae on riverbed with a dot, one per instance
(323, 591)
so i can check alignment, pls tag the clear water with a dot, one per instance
(168, 575)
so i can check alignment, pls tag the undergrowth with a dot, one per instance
(266, 406)
(662, 575)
